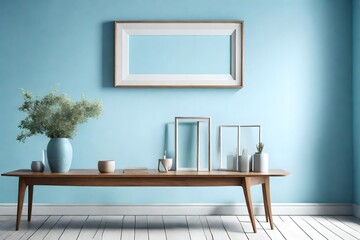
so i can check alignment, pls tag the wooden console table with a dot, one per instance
(91, 177)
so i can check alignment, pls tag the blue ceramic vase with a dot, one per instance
(59, 153)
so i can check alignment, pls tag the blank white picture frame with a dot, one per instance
(125, 29)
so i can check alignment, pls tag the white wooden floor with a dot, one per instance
(180, 227)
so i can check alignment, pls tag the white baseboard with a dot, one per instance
(184, 209)
(356, 211)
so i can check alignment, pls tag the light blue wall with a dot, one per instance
(179, 54)
(298, 86)
(356, 94)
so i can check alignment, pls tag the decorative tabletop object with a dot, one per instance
(244, 161)
(106, 166)
(261, 160)
(233, 138)
(136, 170)
(57, 117)
(165, 162)
(37, 166)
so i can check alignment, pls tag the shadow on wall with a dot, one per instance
(107, 73)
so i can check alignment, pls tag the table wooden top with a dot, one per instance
(152, 173)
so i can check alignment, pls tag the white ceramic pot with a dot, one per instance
(261, 162)
(244, 163)
(166, 164)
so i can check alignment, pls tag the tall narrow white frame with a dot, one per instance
(197, 120)
(220, 147)
(124, 29)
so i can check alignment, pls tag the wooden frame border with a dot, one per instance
(123, 79)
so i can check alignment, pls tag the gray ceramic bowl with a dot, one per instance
(106, 166)
(37, 166)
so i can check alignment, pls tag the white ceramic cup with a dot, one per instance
(166, 164)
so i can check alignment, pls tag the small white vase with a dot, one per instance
(244, 163)
(261, 162)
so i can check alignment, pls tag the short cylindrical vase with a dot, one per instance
(261, 162)
(244, 163)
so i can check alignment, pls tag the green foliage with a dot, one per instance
(259, 147)
(56, 116)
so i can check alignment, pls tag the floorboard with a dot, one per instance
(233, 227)
(27, 228)
(206, 228)
(307, 228)
(327, 233)
(128, 229)
(100, 230)
(45, 228)
(74, 227)
(333, 228)
(114, 226)
(141, 228)
(343, 226)
(259, 235)
(4, 220)
(195, 228)
(350, 221)
(217, 228)
(298, 231)
(273, 234)
(58, 229)
(289, 230)
(176, 228)
(90, 228)
(156, 228)
(7, 225)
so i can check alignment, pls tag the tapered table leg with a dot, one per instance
(30, 201)
(21, 195)
(265, 203)
(246, 187)
(266, 189)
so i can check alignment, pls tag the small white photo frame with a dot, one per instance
(124, 30)
(232, 158)
(197, 120)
